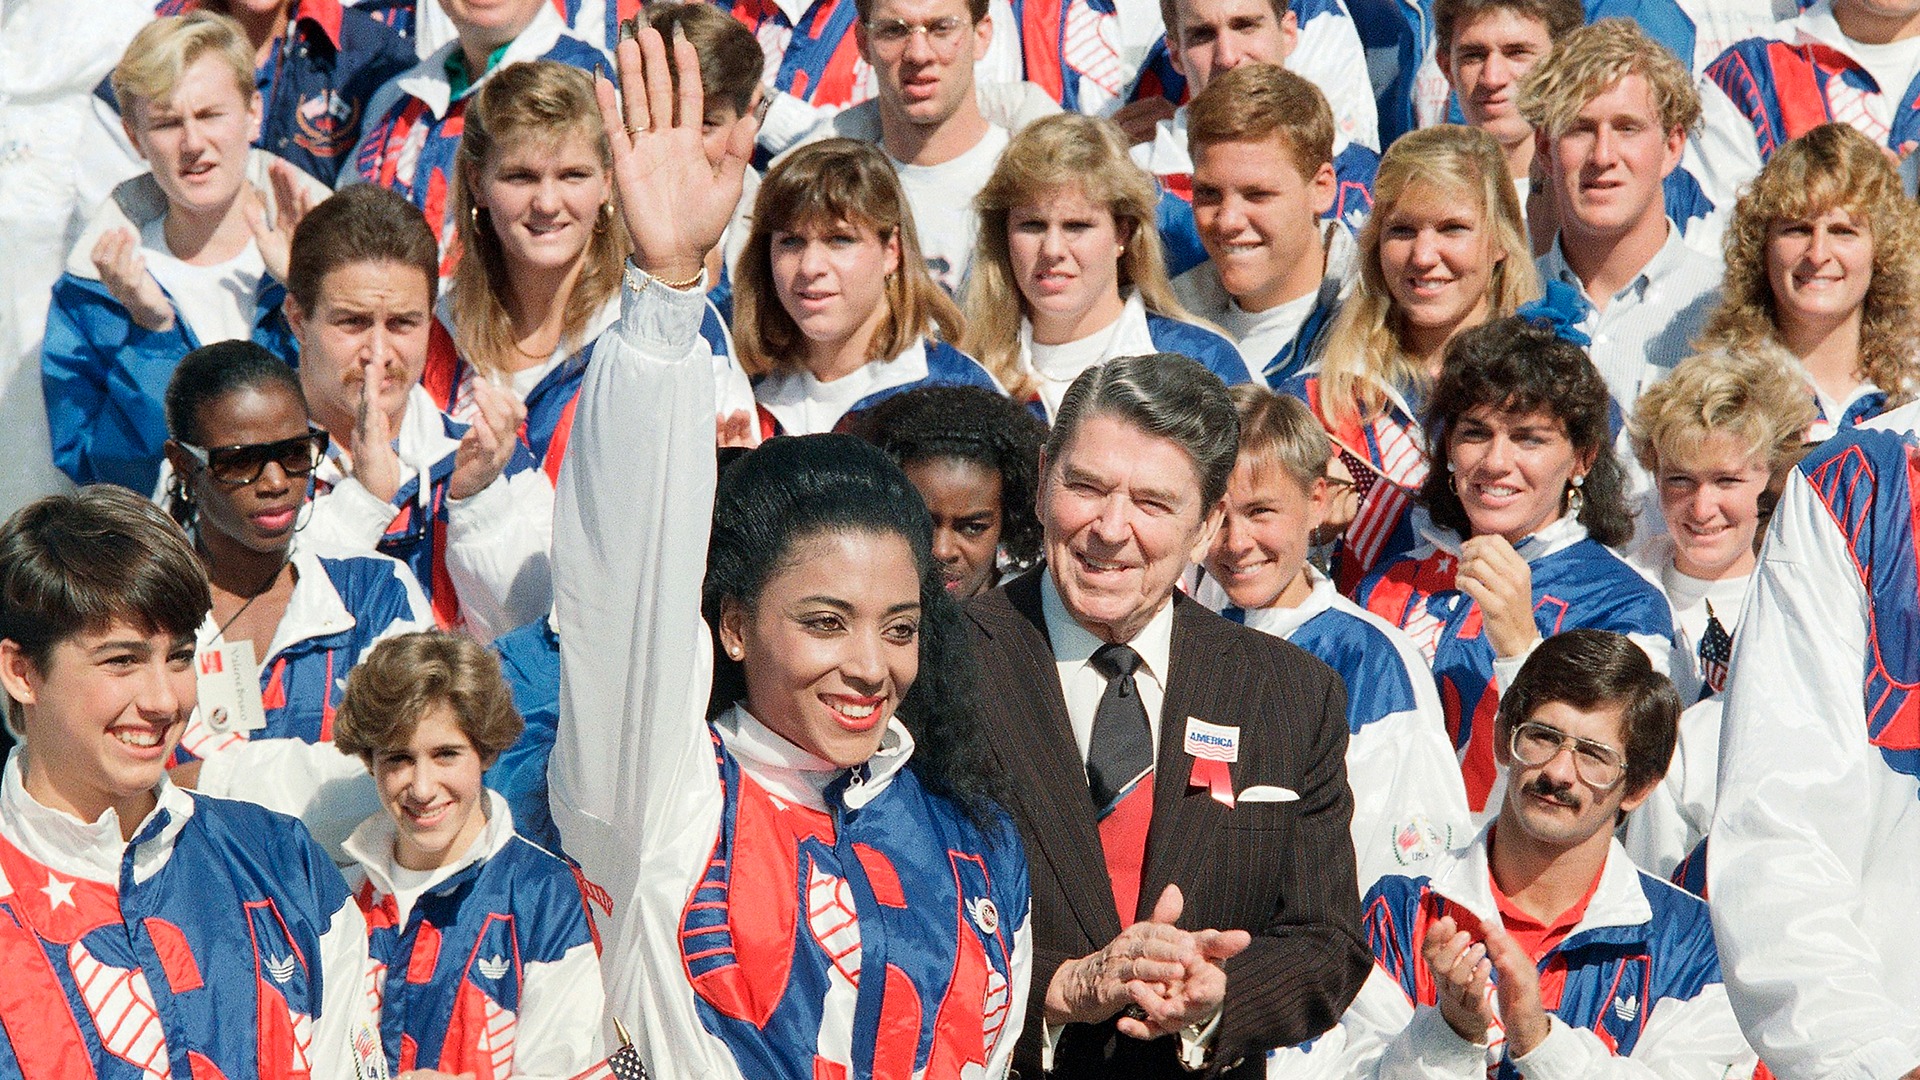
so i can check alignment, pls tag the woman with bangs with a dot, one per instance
(1524, 512)
(1444, 251)
(834, 311)
(1823, 265)
(542, 246)
(1069, 273)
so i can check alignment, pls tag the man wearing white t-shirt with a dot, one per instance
(1262, 140)
(1848, 61)
(931, 125)
(174, 260)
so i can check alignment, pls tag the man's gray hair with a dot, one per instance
(1163, 394)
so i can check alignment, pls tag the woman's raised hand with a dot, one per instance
(676, 202)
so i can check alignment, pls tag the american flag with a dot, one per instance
(1381, 503)
(625, 1064)
(1716, 648)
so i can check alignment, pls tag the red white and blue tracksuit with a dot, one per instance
(482, 561)
(414, 122)
(448, 379)
(1809, 867)
(783, 395)
(340, 609)
(105, 378)
(1387, 457)
(818, 60)
(491, 970)
(219, 942)
(1577, 583)
(1765, 91)
(1137, 332)
(1072, 50)
(1632, 991)
(1408, 801)
(315, 86)
(774, 915)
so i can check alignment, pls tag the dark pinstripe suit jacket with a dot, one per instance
(1282, 870)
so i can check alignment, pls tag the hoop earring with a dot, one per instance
(1576, 499)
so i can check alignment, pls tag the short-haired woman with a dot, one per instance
(483, 959)
(1718, 435)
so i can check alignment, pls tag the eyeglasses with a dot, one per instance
(890, 37)
(1596, 763)
(238, 466)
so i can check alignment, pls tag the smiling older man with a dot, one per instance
(1178, 778)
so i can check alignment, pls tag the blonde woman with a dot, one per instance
(833, 310)
(542, 246)
(1823, 264)
(1069, 273)
(1445, 251)
(1718, 435)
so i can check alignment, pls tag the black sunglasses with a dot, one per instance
(238, 466)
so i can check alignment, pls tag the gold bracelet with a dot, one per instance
(638, 280)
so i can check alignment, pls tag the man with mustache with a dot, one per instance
(1539, 948)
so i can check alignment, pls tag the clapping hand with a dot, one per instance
(676, 202)
(489, 444)
(1462, 976)
(291, 201)
(123, 270)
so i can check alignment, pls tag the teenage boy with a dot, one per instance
(1409, 803)
(1539, 949)
(1208, 38)
(1263, 177)
(1611, 109)
(173, 261)
(147, 931)
(1484, 48)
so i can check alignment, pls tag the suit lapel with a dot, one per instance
(1177, 819)
(1055, 796)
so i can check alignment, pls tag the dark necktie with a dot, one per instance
(1121, 749)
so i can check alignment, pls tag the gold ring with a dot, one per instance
(632, 131)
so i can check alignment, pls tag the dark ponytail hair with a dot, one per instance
(203, 377)
(792, 489)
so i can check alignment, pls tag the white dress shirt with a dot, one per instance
(1082, 683)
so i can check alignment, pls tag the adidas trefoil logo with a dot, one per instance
(1626, 1008)
(493, 967)
(280, 967)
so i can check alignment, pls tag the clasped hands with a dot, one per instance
(1171, 976)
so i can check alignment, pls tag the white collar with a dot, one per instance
(1467, 880)
(1561, 533)
(92, 851)
(427, 80)
(1673, 250)
(785, 394)
(790, 773)
(371, 845)
(314, 610)
(1281, 622)
(1073, 643)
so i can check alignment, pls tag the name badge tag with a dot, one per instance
(228, 679)
(1213, 747)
